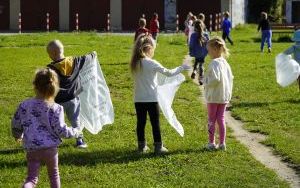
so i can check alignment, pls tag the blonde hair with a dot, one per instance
(219, 44)
(201, 17)
(142, 22)
(226, 14)
(141, 49)
(56, 47)
(46, 83)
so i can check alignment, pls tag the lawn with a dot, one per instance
(111, 160)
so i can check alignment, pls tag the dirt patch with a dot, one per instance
(252, 141)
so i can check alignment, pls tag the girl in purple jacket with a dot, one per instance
(39, 123)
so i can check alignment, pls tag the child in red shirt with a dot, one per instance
(142, 29)
(154, 26)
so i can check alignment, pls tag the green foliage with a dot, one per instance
(274, 8)
(111, 160)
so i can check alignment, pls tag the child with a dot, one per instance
(39, 122)
(186, 23)
(145, 70)
(191, 27)
(201, 17)
(295, 49)
(226, 27)
(218, 81)
(142, 28)
(266, 32)
(67, 68)
(198, 48)
(154, 26)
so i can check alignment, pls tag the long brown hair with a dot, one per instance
(198, 25)
(46, 83)
(141, 49)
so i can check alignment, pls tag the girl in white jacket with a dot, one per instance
(145, 70)
(218, 82)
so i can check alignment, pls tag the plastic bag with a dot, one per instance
(96, 109)
(287, 70)
(167, 87)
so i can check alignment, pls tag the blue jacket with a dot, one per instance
(196, 50)
(226, 26)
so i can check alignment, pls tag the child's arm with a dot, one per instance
(16, 125)
(169, 72)
(59, 126)
(192, 44)
(213, 75)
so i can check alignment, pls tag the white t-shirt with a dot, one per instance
(145, 79)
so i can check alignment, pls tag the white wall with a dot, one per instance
(237, 9)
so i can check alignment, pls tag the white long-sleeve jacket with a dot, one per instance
(218, 82)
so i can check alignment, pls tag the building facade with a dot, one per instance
(123, 14)
(292, 11)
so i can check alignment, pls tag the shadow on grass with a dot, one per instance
(261, 104)
(92, 158)
(113, 156)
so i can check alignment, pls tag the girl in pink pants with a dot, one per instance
(39, 123)
(218, 81)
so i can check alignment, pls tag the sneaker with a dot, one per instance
(145, 149)
(222, 147)
(159, 148)
(211, 146)
(269, 50)
(142, 147)
(193, 75)
(80, 143)
(201, 80)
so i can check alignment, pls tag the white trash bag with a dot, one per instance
(167, 87)
(96, 109)
(287, 70)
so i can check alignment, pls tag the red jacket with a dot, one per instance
(140, 31)
(154, 26)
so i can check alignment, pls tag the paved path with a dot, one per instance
(252, 141)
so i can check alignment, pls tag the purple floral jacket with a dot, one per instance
(41, 125)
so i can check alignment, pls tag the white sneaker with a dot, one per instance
(222, 147)
(211, 146)
(145, 149)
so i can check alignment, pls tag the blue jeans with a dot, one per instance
(266, 35)
(72, 109)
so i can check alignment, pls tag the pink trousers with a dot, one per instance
(216, 113)
(48, 156)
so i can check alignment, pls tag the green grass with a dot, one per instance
(110, 160)
(259, 101)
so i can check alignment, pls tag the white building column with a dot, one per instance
(14, 10)
(288, 11)
(64, 14)
(116, 15)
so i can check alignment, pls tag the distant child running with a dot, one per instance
(218, 82)
(226, 27)
(266, 32)
(295, 49)
(142, 28)
(39, 123)
(154, 26)
(145, 70)
(201, 17)
(198, 49)
(67, 69)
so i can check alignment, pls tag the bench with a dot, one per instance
(284, 28)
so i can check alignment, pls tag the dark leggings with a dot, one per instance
(141, 111)
(227, 36)
(199, 61)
